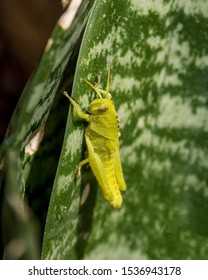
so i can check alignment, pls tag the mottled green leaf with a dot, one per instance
(158, 55)
(30, 164)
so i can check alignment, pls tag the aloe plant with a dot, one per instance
(157, 52)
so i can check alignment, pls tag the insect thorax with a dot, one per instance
(103, 118)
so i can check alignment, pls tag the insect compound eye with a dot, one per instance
(103, 108)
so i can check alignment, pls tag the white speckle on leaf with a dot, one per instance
(156, 41)
(124, 84)
(144, 7)
(179, 55)
(64, 182)
(194, 183)
(101, 48)
(84, 100)
(73, 143)
(124, 114)
(128, 58)
(126, 110)
(169, 80)
(191, 7)
(201, 62)
(127, 153)
(119, 250)
(60, 247)
(175, 112)
(175, 52)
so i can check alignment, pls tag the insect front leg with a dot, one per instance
(82, 163)
(76, 107)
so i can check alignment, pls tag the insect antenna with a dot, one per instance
(108, 80)
(101, 91)
(95, 88)
(107, 93)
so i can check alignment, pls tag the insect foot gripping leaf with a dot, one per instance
(102, 144)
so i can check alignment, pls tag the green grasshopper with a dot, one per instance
(102, 141)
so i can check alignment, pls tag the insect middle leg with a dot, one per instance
(82, 163)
